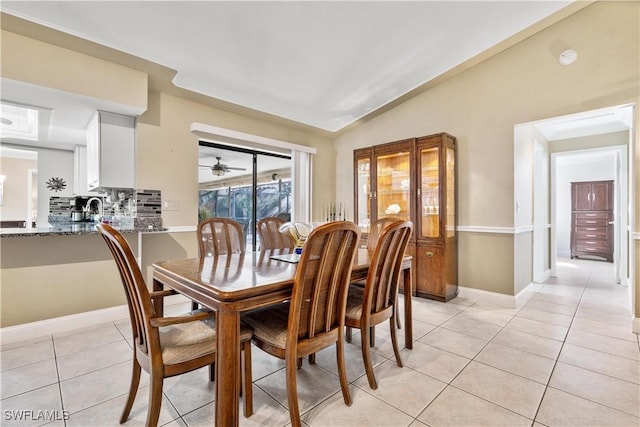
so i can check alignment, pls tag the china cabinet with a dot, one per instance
(414, 179)
(592, 219)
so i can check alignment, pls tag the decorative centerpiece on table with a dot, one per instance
(298, 232)
(393, 209)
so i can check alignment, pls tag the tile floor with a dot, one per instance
(567, 357)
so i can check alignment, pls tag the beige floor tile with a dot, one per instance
(366, 410)
(82, 362)
(502, 388)
(455, 342)
(190, 391)
(425, 313)
(607, 364)
(456, 408)
(545, 316)
(614, 393)
(15, 344)
(15, 410)
(29, 377)
(91, 338)
(108, 413)
(551, 307)
(601, 328)
(26, 355)
(488, 314)
(87, 390)
(527, 365)
(432, 361)
(326, 358)
(405, 389)
(314, 385)
(534, 344)
(571, 302)
(540, 329)
(605, 317)
(483, 331)
(266, 412)
(563, 290)
(563, 409)
(618, 347)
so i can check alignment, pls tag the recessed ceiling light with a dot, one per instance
(568, 57)
(19, 122)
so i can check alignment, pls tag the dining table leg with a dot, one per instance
(408, 315)
(227, 367)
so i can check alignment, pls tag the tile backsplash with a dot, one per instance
(142, 207)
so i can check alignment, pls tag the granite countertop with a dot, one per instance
(75, 229)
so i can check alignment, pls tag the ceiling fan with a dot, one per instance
(219, 169)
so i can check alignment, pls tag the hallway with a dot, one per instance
(567, 357)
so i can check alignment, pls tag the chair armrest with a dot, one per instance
(162, 294)
(166, 321)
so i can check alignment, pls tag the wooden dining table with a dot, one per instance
(232, 284)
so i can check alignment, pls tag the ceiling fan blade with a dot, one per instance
(205, 166)
(235, 169)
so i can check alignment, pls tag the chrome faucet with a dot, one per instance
(100, 206)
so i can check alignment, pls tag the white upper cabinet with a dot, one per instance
(110, 151)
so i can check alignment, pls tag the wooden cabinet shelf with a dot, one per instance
(414, 179)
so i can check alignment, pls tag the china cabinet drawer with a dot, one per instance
(591, 222)
(592, 215)
(598, 233)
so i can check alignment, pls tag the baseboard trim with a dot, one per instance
(61, 324)
(498, 299)
(486, 297)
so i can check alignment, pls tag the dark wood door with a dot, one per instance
(602, 196)
(582, 196)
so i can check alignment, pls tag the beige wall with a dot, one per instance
(46, 277)
(481, 106)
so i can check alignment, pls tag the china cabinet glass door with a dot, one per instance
(363, 193)
(393, 185)
(450, 176)
(430, 192)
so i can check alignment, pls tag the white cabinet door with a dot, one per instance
(111, 151)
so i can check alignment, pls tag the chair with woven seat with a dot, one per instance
(376, 302)
(166, 346)
(313, 319)
(271, 239)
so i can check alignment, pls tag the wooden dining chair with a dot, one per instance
(376, 302)
(219, 236)
(166, 346)
(314, 317)
(375, 229)
(271, 239)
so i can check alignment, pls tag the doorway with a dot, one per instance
(243, 184)
(582, 142)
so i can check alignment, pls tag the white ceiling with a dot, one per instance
(324, 64)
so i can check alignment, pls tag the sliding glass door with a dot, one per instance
(244, 185)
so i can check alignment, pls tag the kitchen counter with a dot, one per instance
(79, 228)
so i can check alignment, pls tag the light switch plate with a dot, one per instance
(170, 205)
